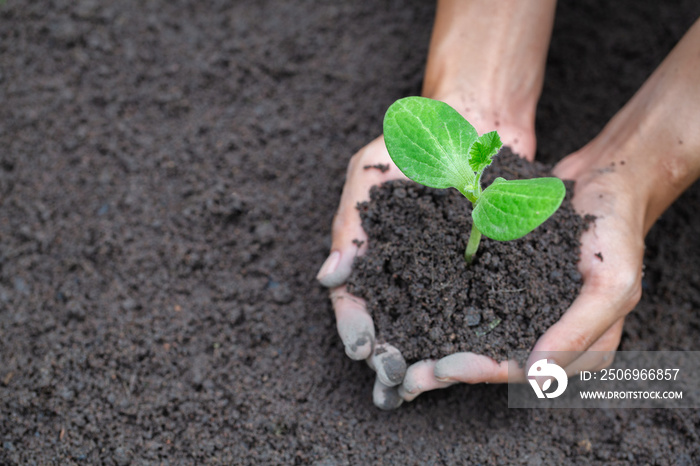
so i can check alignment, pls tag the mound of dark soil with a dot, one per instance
(427, 302)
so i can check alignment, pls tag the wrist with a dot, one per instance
(487, 60)
(515, 128)
(655, 135)
(488, 86)
(635, 162)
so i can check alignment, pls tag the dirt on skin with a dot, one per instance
(168, 175)
(425, 299)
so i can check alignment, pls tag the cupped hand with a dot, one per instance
(589, 332)
(612, 251)
(369, 167)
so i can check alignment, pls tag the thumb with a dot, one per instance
(349, 238)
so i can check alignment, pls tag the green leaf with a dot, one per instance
(509, 210)
(482, 151)
(429, 141)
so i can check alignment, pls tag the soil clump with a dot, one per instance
(425, 299)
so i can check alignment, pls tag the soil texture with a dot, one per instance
(168, 175)
(424, 298)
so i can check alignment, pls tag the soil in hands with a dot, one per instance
(426, 301)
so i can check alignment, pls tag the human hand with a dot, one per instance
(644, 158)
(368, 167)
(611, 266)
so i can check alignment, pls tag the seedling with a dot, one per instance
(434, 145)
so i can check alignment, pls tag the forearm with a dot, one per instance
(652, 146)
(490, 54)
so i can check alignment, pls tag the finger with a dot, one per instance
(349, 240)
(419, 378)
(600, 354)
(389, 364)
(590, 317)
(354, 323)
(385, 397)
(471, 368)
(348, 237)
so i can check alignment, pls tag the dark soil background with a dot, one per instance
(424, 298)
(168, 174)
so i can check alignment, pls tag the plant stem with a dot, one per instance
(472, 244)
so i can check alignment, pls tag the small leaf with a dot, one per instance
(429, 141)
(482, 151)
(509, 210)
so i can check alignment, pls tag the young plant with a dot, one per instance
(435, 146)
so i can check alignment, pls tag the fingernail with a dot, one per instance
(393, 371)
(410, 387)
(361, 348)
(328, 268)
(405, 394)
(385, 398)
(390, 365)
(441, 374)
